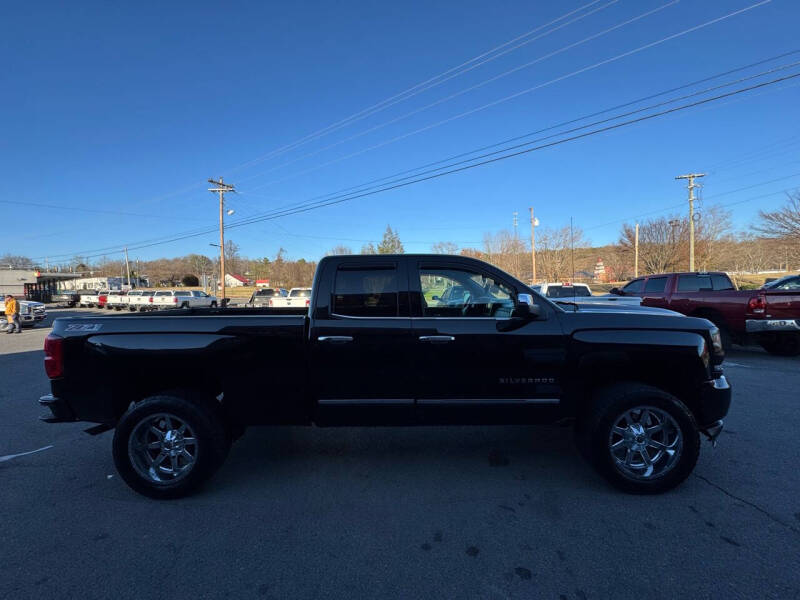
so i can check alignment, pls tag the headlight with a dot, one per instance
(716, 340)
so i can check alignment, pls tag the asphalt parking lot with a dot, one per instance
(505, 512)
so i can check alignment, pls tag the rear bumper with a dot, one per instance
(714, 404)
(60, 412)
(765, 325)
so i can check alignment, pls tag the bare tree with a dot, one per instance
(660, 243)
(445, 248)
(784, 222)
(339, 250)
(369, 248)
(232, 257)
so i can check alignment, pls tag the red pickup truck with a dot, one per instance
(770, 315)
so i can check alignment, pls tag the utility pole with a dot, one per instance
(691, 177)
(572, 249)
(221, 189)
(534, 223)
(636, 253)
(127, 267)
(516, 246)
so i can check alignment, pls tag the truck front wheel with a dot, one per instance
(640, 438)
(167, 446)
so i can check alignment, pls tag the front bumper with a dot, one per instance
(765, 325)
(59, 409)
(715, 402)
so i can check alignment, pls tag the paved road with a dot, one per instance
(506, 512)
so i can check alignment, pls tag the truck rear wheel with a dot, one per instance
(167, 446)
(782, 344)
(640, 438)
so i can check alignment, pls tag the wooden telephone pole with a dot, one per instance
(221, 188)
(691, 177)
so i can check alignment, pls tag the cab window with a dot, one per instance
(450, 292)
(366, 292)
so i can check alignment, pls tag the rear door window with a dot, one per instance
(366, 292)
(694, 283)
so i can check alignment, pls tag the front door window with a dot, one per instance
(450, 292)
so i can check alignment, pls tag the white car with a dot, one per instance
(140, 300)
(297, 297)
(30, 313)
(580, 293)
(164, 299)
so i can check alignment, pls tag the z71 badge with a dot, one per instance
(83, 327)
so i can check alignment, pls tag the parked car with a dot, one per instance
(87, 298)
(769, 316)
(30, 313)
(774, 318)
(581, 293)
(164, 299)
(66, 298)
(296, 297)
(371, 350)
(117, 300)
(262, 297)
(140, 300)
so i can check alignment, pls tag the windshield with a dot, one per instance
(300, 294)
(264, 293)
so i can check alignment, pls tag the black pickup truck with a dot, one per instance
(378, 345)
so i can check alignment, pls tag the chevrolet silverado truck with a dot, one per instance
(375, 348)
(769, 316)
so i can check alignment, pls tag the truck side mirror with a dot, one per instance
(526, 308)
(616, 291)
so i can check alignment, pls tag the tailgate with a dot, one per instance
(782, 304)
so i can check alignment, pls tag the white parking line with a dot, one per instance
(728, 363)
(10, 456)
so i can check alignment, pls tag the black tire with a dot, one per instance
(210, 446)
(213, 305)
(782, 344)
(185, 305)
(594, 431)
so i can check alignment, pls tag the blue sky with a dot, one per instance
(126, 110)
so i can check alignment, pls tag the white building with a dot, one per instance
(232, 280)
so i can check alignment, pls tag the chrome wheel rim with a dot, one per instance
(645, 442)
(162, 448)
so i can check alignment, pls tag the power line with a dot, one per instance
(348, 197)
(472, 87)
(593, 124)
(520, 93)
(432, 82)
(551, 127)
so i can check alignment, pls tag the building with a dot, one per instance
(102, 283)
(31, 284)
(264, 283)
(232, 280)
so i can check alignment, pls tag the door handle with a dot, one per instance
(436, 339)
(335, 339)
